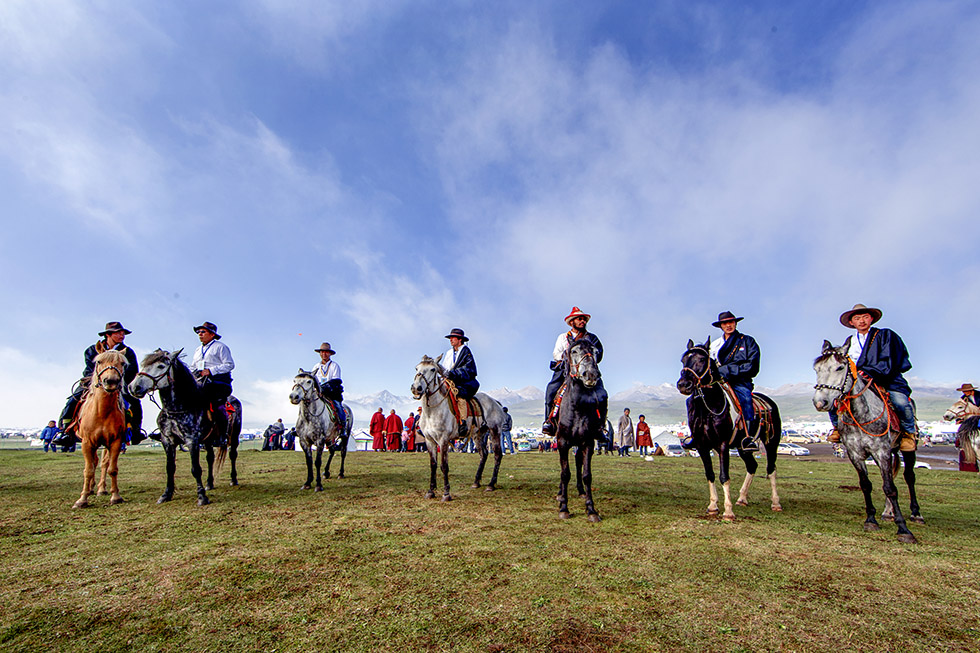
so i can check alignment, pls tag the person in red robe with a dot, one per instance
(410, 432)
(643, 439)
(377, 430)
(393, 431)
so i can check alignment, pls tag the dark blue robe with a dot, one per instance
(463, 373)
(884, 358)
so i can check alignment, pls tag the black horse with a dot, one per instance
(580, 422)
(712, 424)
(184, 419)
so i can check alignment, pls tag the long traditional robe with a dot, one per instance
(393, 431)
(410, 430)
(377, 431)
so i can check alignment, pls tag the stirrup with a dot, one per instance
(748, 444)
(547, 428)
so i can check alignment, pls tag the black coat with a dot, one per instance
(132, 365)
(738, 359)
(884, 358)
(463, 373)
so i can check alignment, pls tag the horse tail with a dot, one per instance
(219, 459)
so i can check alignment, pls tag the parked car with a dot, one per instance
(790, 449)
(674, 450)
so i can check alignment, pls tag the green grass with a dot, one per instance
(370, 565)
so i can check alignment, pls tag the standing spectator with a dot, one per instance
(49, 433)
(275, 434)
(624, 434)
(289, 440)
(505, 428)
(393, 431)
(408, 440)
(377, 430)
(643, 439)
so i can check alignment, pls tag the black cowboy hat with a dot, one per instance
(845, 317)
(458, 333)
(726, 316)
(209, 326)
(114, 327)
(325, 347)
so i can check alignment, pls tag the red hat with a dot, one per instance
(577, 312)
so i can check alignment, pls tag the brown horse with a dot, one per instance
(102, 423)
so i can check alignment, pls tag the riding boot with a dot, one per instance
(464, 429)
(548, 428)
(834, 437)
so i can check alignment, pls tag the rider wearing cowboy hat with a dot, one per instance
(327, 373)
(578, 320)
(880, 354)
(738, 362)
(212, 365)
(969, 394)
(112, 338)
(460, 366)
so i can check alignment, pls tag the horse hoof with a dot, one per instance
(728, 518)
(210, 487)
(489, 488)
(116, 500)
(888, 517)
(918, 519)
(741, 502)
(163, 499)
(907, 538)
(340, 475)
(871, 526)
(234, 483)
(712, 513)
(564, 514)
(446, 497)
(203, 502)
(80, 504)
(583, 495)
(319, 488)
(101, 493)
(430, 495)
(777, 508)
(475, 486)
(326, 477)
(595, 518)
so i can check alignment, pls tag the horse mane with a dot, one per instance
(112, 357)
(830, 353)
(155, 356)
(303, 374)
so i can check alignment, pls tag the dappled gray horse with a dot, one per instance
(867, 428)
(438, 425)
(315, 426)
(183, 419)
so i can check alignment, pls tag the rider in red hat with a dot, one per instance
(578, 320)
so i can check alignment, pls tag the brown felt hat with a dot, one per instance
(208, 326)
(845, 317)
(458, 333)
(726, 316)
(965, 387)
(114, 327)
(325, 347)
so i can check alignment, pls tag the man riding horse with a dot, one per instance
(112, 338)
(327, 374)
(460, 368)
(578, 320)
(881, 355)
(212, 365)
(738, 362)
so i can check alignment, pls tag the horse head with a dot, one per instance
(305, 387)
(834, 379)
(698, 368)
(582, 364)
(109, 366)
(157, 372)
(427, 375)
(960, 410)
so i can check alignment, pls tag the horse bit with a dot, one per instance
(700, 385)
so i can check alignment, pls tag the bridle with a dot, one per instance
(701, 385)
(429, 391)
(156, 379)
(843, 387)
(843, 402)
(308, 398)
(574, 367)
(99, 383)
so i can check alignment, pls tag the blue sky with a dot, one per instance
(375, 173)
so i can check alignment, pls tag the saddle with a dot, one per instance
(337, 414)
(463, 409)
(763, 415)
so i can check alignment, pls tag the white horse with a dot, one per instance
(438, 424)
(967, 415)
(314, 426)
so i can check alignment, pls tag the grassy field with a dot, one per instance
(370, 565)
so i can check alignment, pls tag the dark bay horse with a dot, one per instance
(102, 423)
(184, 419)
(712, 425)
(867, 428)
(579, 425)
(439, 426)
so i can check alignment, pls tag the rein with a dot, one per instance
(701, 385)
(99, 383)
(306, 400)
(843, 402)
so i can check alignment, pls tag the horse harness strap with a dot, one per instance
(472, 406)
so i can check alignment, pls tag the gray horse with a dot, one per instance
(315, 426)
(867, 428)
(438, 425)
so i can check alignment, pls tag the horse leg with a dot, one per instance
(587, 480)
(498, 454)
(445, 473)
(433, 452)
(110, 460)
(870, 523)
(88, 475)
(751, 465)
(908, 458)
(579, 459)
(93, 482)
(104, 469)
(309, 467)
(326, 471)
(195, 448)
(209, 456)
(171, 451)
(233, 457)
(343, 455)
(481, 448)
(709, 474)
(566, 475)
(891, 494)
(319, 454)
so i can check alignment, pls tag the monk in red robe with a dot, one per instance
(377, 430)
(393, 431)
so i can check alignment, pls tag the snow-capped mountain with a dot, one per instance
(507, 396)
(641, 393)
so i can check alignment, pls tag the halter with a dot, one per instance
(701, 385)
(843, 402)
(440, 388)
(573, 368)
(306, 400)
(99, 383)
(156, 379)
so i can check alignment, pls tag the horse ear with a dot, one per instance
(707, 343)
(174, 356)
(439, 359)
(690, 344)
(826, 347)
(300, 371)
